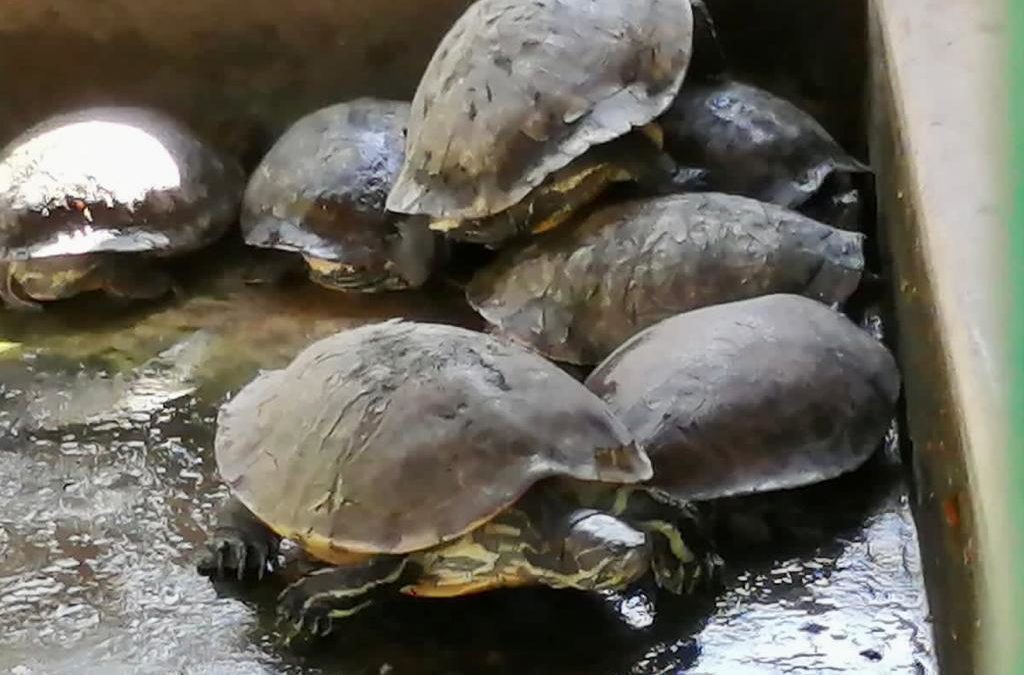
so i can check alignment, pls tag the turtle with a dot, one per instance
(437, 461)
(753, 143)
(577, 293)
(320, 192)
(90, 198)
(529, 110)
(756, 395)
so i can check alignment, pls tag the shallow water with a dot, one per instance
(109, 484)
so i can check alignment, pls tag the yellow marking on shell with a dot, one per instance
(63, 279)
(323, 548)
(502, 530)
(11, 347)
(327, 267)
(675, 539)
(427, 589)
(606, 173)
(572, 181)
(444, 224)
(345, 613)
(553, 221)
(440, 581)
(655, 132)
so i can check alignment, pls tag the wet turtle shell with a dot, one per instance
(517, 90)
(755, 144)
(578, 293)
(394, 437)
(320, 191)
(113, 179)
(761, 394)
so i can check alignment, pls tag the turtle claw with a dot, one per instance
(302, 616)
(229, 554)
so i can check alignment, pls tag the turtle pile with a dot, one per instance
(628, 212)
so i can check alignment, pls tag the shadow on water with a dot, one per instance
(109, 486)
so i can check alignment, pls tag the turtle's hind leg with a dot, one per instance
(310, 606)
(241, 547)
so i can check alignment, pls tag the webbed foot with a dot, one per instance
(241, 546)
(310, 607)
(231, 554)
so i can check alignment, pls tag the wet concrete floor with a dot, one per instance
(108, 485)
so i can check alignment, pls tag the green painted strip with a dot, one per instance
(1015, 70)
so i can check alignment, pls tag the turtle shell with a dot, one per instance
(396, 436)
(321, 188)
(517, 90)
(761, 394)
(753, 143)
(578, 293)
(115, 179)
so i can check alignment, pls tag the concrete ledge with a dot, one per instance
(936, 140)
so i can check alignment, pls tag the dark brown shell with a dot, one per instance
(396, 436)
(321, 189)
(762, 394)
(753, 143)
(517, 90)
(578, 293)
(116, 179)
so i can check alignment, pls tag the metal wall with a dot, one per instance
(238, 71)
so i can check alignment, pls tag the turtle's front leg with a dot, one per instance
(684, 553)
(309, 606)
(241, 546)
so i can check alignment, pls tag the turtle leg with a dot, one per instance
(310, 606)
(241, 546)
(684, 555)
(9, 294)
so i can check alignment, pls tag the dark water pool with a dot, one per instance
(106, 423)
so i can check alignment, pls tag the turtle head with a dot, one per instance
(403, 260)
(353, 277)
(57, 277)
(840, 274)
(605, 550)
